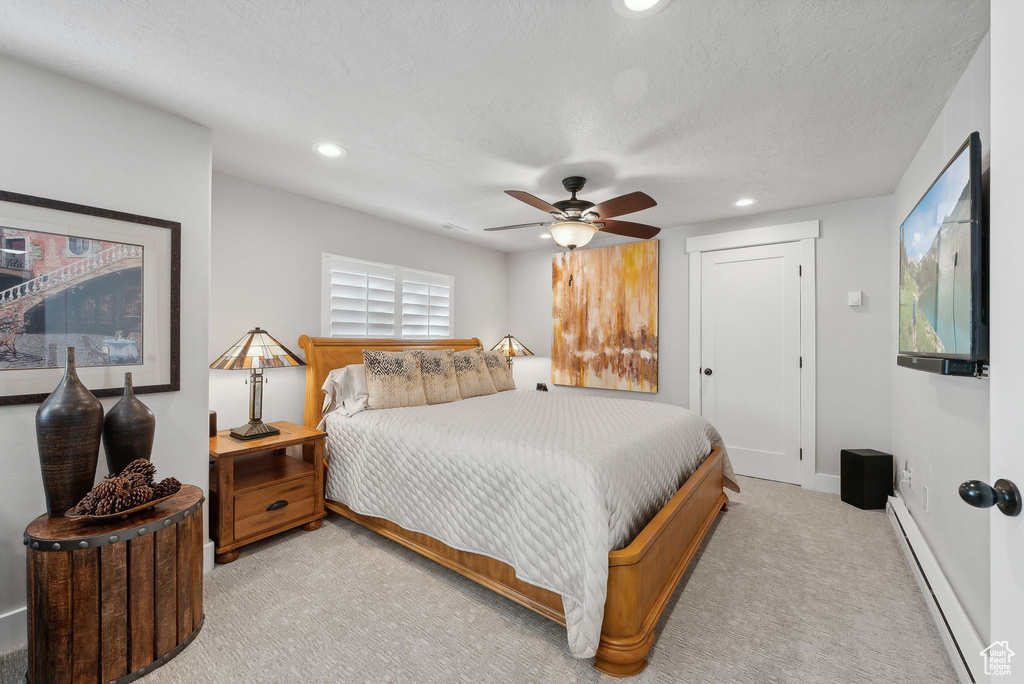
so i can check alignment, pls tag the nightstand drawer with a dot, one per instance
(262, 509)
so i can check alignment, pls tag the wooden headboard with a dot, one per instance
(324, 354)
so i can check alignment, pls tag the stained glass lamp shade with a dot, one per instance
(254, 352)
(510, 347)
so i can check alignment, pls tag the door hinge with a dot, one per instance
(801, 362)
(801, 267)
(801, 454)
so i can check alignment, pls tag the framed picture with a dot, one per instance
(105, 282)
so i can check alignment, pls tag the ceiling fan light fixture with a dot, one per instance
(572, 234)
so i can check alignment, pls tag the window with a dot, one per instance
(79, 246)
(367, 299)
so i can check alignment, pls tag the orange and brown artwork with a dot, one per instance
(606, 317)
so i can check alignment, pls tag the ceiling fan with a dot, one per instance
(576, 221)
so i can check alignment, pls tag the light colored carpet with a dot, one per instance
(793, 586)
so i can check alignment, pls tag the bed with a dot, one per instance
(524, 492)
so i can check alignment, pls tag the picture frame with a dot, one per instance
(106, 282)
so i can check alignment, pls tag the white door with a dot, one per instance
(1006, 290)
(750, 356)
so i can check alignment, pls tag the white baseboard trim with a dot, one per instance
(208, 557)
(826, 483)
(956, 630)
(13, 629)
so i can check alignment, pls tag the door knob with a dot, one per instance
(707, 371)
(1004, 495)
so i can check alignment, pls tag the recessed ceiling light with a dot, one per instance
(634, 9)
(640, 5)
(545, 236)
(330, 149)
(745, 202)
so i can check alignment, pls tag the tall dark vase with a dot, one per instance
(68, 428)
(128, 430)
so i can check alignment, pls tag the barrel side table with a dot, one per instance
(112, 601)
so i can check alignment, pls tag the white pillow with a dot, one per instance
(345, 389)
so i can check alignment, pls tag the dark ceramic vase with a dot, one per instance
(128, 430)
(68, 428)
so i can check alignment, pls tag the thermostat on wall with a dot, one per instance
(854, 298)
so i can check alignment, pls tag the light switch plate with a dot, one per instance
(854, 298)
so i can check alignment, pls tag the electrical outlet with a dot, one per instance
(924, 495)
(908, 476)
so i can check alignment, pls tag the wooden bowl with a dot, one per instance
(120, 514)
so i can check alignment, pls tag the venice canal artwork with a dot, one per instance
(60, 291)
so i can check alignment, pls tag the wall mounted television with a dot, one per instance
(943, 321)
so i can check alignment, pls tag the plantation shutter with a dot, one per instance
(361, 298)
(426, 304)
(366, 299)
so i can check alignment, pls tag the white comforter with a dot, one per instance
(546, 482)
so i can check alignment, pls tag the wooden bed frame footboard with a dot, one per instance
(642, 577)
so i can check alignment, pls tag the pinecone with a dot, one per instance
(112, 487)
(86, 506)
(166, 487)
(142, 467)
(109, 505)
(137, 496)
(137, 480)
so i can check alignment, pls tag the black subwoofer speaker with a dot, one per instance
(865, 477)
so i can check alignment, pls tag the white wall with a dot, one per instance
(940, 425)
(853, 347)
(267, 247)
(66, 141)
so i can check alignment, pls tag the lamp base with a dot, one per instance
(254, 429)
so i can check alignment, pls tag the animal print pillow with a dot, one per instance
(473, 376)
(501, 374)
(393, 379)
(440, 383)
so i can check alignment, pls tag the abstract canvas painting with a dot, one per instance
(605, 317)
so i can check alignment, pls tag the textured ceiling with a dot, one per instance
(443, 104)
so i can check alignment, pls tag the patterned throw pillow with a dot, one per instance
(471, 371)
(393, 379)
(501, 374)
(439, 381)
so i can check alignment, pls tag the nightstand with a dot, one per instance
(257, 489)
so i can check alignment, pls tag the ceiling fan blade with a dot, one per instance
(533, 201)
(519, 225)
(624, 204)
(630, 229)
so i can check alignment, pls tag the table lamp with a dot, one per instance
(510, 347)
(254, 352)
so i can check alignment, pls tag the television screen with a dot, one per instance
(940, 245)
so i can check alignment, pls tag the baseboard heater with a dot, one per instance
(958, 634)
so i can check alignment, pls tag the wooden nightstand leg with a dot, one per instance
(311, 526)
(226, 505)
(222, 558)
(314, 453)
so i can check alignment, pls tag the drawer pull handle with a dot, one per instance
(280, 503)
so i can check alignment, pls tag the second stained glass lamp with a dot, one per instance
(511, 347)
